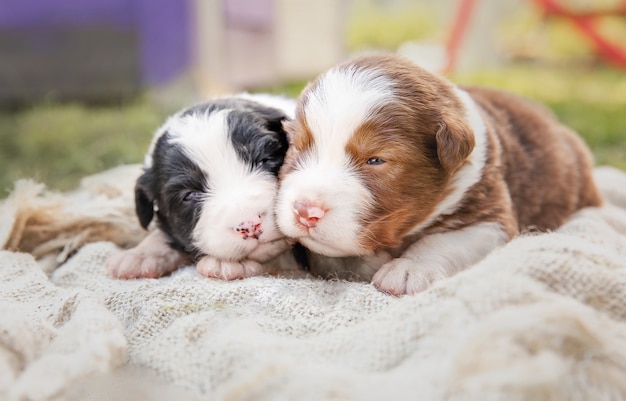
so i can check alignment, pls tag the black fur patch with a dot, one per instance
(255, 143)
(178, 178)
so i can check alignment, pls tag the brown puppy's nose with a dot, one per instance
(308, 214)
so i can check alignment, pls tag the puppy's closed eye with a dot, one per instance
(192, 197)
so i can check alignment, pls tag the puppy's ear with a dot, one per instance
(144, 198)
(274, 122)
(455, 142)
(273, 117)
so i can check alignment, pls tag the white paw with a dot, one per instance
(137, 263)
(210, 266)
(404, 276)
(269, 250)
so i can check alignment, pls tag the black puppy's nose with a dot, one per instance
(250, 228)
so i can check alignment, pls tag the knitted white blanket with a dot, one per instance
(543, 318)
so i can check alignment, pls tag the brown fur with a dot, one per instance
(537, 172)
(546, 166)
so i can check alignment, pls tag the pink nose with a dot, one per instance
(308, 214)
(250, 228)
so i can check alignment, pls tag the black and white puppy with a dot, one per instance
(210, 177)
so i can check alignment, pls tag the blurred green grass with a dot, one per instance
(58, 144)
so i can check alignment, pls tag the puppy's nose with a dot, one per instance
(250, 228)
(308, 214)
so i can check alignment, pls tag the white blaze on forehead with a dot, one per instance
(341, 101)
(204, 138)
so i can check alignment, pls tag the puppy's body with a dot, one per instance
(210, 178)
(389, 160)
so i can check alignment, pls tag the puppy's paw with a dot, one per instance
(210, 266)
(142, 263)
(405, 276)
(269, 250)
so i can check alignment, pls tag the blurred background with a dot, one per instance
(83, 84)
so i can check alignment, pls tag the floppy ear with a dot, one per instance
(455, 143)
(274, 122)
(274, 119)
(144, 198)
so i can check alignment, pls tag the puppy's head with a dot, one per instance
(211, 177)
(374, 151)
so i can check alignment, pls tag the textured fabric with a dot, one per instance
(542, 318)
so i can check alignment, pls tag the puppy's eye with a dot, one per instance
(375, 161)
(267, 163)
(192, 196)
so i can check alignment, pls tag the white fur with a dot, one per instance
(438, 256)
(209, 266)
(340, 191)
(345, 97)
(236, 194)
(469, 174)
(285, 104)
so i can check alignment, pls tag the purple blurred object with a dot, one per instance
(91, 48)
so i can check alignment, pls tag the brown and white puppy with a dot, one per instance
(387, 158)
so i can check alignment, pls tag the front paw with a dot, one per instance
(405, 276)
(210, 266)
(269, 250)
(137, 263)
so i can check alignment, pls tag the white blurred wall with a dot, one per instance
(245, 44)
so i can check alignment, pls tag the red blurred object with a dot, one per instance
(459, 29)
(583, 21)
